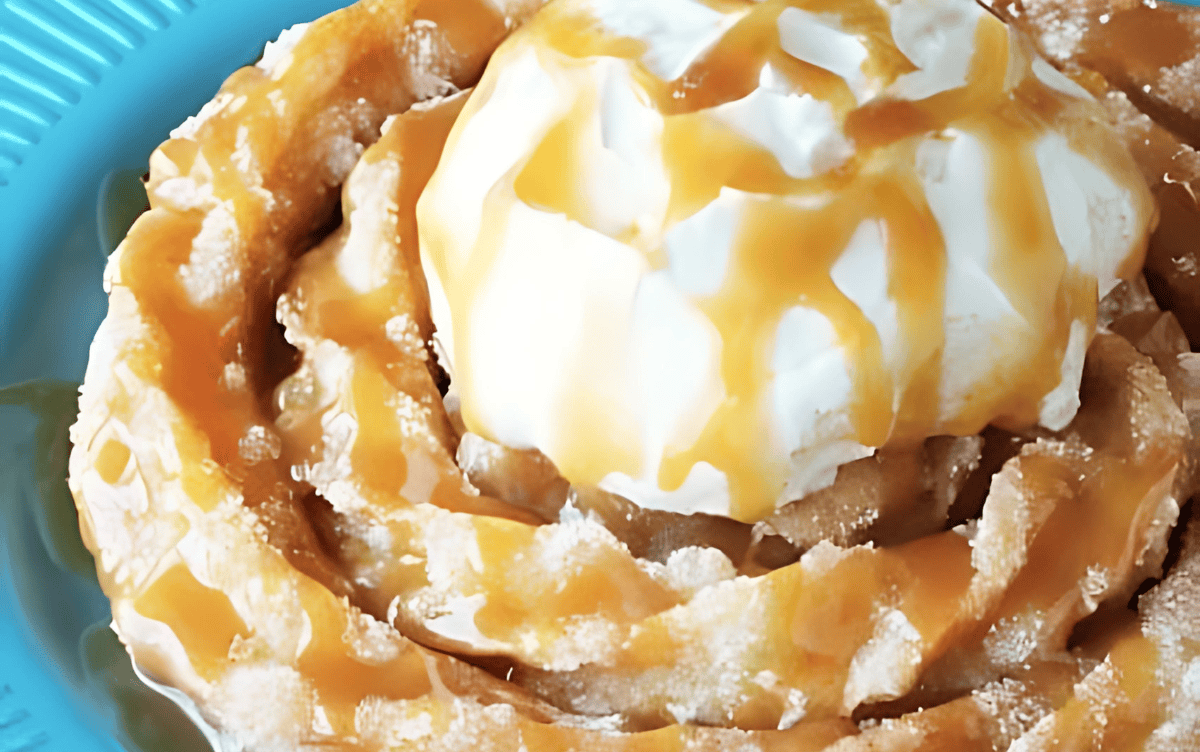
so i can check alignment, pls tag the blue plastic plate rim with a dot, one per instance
(88, 88)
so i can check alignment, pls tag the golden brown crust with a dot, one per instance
(266, 555)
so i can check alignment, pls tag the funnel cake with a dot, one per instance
(300, 540)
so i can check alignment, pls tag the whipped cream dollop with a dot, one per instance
(701, 254)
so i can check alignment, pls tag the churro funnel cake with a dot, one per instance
(666, 375)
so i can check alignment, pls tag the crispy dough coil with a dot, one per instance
(284, 533)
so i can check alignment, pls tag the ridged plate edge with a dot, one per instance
(54, 52)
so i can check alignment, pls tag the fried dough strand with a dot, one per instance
(291, 536)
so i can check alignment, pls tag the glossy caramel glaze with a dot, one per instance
(283, 529)
(790, 233)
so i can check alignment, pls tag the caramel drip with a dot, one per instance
(579, 35)
(191, 343)
(399, 461)
(782, 258)
(1096, 720)
(374, 456)
(886, 120)
(201, 617)
(541, 183)
(112, 461)
(587, 415)
(343, 679)
(728, 162)
(917, 260)
(357, 320)
(1027, 248)
(785, 247)
(1089, 529)
(729, 70)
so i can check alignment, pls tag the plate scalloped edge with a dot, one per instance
(52, 52)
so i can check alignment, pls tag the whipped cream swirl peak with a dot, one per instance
(701, 254)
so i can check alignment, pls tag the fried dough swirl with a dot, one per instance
(294, 533)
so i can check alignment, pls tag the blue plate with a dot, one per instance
(88, 88)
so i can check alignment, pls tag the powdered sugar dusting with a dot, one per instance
(190, 128)
(1063, 26)
(1010, 643)
(1178, 86)
(717, 639)
(213, 268)
(1015, 707)
(1168, 613)
(887, 665)
(244, 690)
(277, 55)
(694, 568)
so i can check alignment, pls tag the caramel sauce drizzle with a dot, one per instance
(188, 345)
(784, 249)
(175, 598)
(818, 622)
